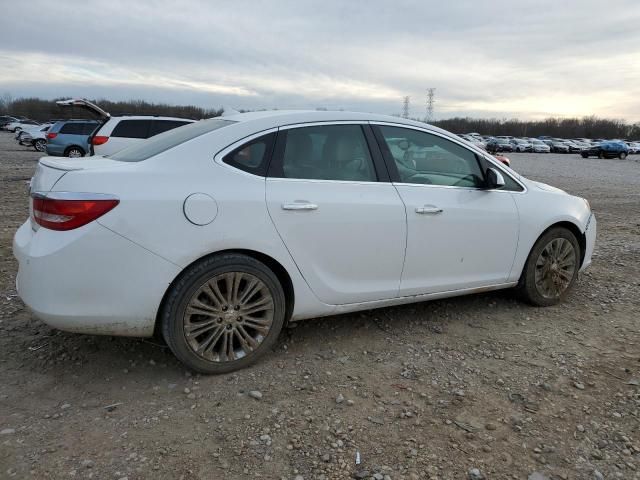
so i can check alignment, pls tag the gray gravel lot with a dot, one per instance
(431, 390)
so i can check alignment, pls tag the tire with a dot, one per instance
(584, 155)
(40, 145)
(74, 152)
(541, 283)
(622, 155)
(221, 320)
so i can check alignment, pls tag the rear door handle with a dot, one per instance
(299, 206)
(428, 210)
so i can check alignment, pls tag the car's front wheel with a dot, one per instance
(622, 155)
(585, 155)
(551, 269)
(223, 313)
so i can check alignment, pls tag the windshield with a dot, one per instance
(172, 138)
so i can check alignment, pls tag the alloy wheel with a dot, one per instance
(228, 317)
(555, 268)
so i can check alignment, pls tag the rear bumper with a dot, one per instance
(90, 280)
(590, 235)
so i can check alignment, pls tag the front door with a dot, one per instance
(460, 234)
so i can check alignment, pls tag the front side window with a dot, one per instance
(424, 158)
(327, 152)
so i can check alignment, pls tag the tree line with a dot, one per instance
(586, 127)
(41, 110)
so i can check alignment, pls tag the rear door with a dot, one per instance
(341, 219)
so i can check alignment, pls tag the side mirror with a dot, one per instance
(494, 178)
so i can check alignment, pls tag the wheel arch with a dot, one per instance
(573, 228)
(69, 147)
(276, 267)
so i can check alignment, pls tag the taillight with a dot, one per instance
(51, 135)
(66, 211)
(99, 140)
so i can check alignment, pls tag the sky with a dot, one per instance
(495, 58)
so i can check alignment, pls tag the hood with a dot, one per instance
(545, 187)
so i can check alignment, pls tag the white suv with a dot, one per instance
(116, 133)
(120, 132)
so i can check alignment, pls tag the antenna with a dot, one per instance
(431, 94)
(405, 106)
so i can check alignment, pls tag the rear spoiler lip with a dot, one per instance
(51, 162)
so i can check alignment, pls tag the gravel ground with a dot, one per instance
(474, 387)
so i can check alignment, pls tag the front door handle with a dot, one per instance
(299, 206)
(428, 210)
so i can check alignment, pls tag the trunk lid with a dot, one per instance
(51, 169)
(86, 105)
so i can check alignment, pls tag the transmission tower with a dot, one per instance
(405, 107)
(431, 94)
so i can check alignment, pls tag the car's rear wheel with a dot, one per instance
(74, 152)
(223, 313)
(622, 155)
(551, 269)
(40, 145)
(584, 155)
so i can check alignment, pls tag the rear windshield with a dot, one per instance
(167, 140)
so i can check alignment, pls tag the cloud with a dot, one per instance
(501, 58)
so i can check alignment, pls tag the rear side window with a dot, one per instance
(78, 128)
(167, 140)
(252, 157)
(160, 126)
(325, 152)
(132, 129)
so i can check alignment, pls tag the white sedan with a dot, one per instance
(217, 233)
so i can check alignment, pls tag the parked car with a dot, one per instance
(538, 146)
(6, 120)
(607, 149)
(499, 145)
(573, 146)
(116, 133)
(219, 232)
(559, 147)
(70, 138)
(520, 145)
(20, 125)
(34, 137)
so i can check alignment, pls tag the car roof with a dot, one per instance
(149, 117)
(290, 117)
